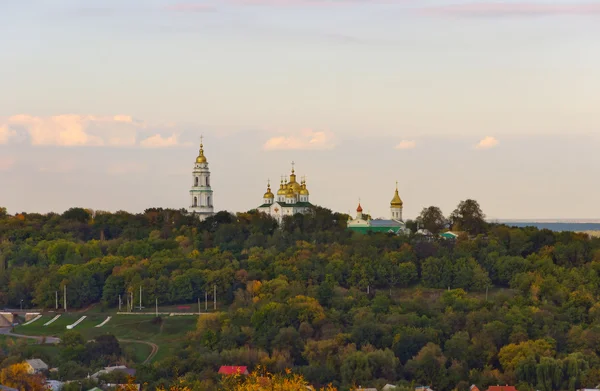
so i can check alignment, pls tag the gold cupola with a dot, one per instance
(292, 183)
(303, 189)
(201, 158)
(396, 201)
(268, 194)
(282, 189)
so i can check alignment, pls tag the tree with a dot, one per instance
(259, 381)
(16, 376)
(432, 219)
(468, 217)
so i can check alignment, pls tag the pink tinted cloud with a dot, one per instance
(494, 9)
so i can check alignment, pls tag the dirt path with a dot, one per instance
(151, 344)
(7, 331)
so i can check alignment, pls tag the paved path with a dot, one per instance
(7, 331)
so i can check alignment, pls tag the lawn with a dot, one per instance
(168, 335)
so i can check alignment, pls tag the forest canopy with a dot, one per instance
(498, 305)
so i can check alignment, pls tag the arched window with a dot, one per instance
(195, 201)
(207, 181)
(196, 182)
(208, 200)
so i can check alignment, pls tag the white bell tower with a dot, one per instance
(201, 194)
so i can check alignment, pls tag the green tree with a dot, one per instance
(432, 219)
(468, 217)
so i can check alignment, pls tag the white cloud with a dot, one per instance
(487, 143)
(6, 162)
(71, 130)
(6, 134)
(158, 141)
(307, 139)
(406, 144)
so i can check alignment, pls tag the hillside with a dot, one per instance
(498, 305)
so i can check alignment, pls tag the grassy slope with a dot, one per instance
(169, 336)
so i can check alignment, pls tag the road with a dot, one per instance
(7, 331)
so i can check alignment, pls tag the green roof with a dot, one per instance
(365, 230)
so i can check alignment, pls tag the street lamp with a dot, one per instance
(21, 304)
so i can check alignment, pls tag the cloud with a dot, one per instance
(158, 141)
(6, 162)
(497, 9)
(487, 143)
(406, 144)
(6, 134)
(72, 130)
(307, 139)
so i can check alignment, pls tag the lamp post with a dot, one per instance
(21, 304)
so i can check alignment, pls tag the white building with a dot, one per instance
(201, 194)
(395, 224)
(292, 197)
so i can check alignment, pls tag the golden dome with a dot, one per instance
(303, 189)
(282, 189)
(268, 194)
(201, 158)
(396, 201)
(290, 191)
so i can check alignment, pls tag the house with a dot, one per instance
(116, 369)
(54, 385)
(389, 387)
(502, 388)
(35, 366)
(449, 235)
(474, 388)
(228, 371)
(423, 388)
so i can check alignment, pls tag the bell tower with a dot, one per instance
(201, 194)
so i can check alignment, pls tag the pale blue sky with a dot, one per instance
(102, 103)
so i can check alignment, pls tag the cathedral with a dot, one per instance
(292, 197)
(201, 194)
(395, 224)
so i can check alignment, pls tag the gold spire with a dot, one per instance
(201, 158)
(269, 194)
(396, 201)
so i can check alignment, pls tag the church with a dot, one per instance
(201, 194)
(395, 225)
(292, 197)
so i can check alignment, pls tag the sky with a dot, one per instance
(102, 103)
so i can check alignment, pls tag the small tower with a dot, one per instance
(201, 194)
(269, 197)
(396, 206)
(304, 194)
(359, 211)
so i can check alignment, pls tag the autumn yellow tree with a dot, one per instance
(16, 376)
(260, 380)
